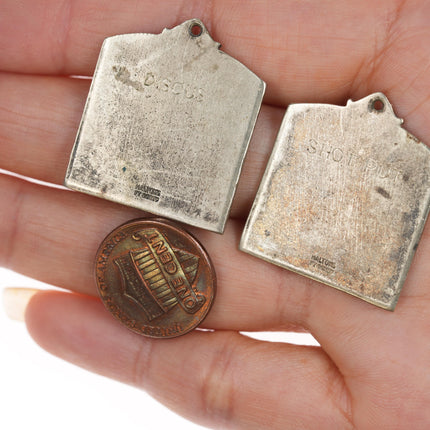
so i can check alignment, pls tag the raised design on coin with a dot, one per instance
(155, 278)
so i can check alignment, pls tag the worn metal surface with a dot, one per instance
(166, 126)
(344, 198)
(155, 278)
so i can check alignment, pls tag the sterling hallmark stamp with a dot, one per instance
(166, 125)
(344, 198)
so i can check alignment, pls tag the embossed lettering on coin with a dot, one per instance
(155, 278)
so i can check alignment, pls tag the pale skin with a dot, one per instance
(371, 371)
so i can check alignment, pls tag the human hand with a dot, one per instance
(371, 369)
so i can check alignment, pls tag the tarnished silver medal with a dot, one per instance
(166, 126)
(344, 198)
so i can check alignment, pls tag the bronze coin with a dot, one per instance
(155, 278)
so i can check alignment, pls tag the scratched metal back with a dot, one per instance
(166, 125)
(344, 198)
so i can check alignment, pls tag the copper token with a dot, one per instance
(155, 278)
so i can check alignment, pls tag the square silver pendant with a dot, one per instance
(166, 125)
(344, 198)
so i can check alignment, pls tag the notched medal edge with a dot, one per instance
(166, 32)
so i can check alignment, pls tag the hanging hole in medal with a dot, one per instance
(195, 29)
(377, 105)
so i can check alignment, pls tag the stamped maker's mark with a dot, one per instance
(148, 193)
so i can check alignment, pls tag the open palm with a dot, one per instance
(371, 371)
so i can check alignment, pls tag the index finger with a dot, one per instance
(287, 44)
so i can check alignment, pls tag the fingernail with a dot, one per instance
(15, 301)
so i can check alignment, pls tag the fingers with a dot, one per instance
(373, 348)
(39, 118)
(288, 44)
(53, 235)
(218, 379)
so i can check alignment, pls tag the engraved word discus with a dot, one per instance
(166, 125)
(344, 198)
